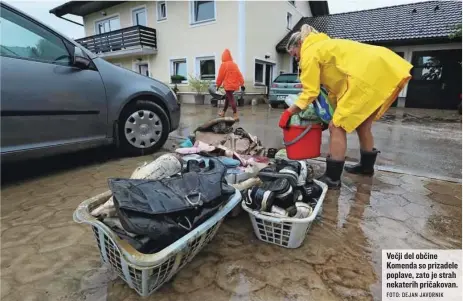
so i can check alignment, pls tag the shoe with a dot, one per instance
(294, 171)
(300, 210)
(282, 190)
(259, 199)
(298, 169)
(310, 191)
(332, 176)
(235, 116)
(366, 165)
(221, 113)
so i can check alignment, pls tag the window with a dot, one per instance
(287, 78)
(206, 67)
(178, 68)
(22, 38)
(139, 16)
(289, 21)
(162, 10)
(107, 25)
(143, 69)
(259, 73)
(427, 66)
(202, 11)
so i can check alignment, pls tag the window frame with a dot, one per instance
(289, 20)
(64, 41)
(174, 60)
(158, 16)
(198, 60)
(293, 3)
(139, 8)
(192, 12)
(258, 83)
(106, 18)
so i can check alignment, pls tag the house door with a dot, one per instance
(436, 80)
(143, 69)
(268, 76)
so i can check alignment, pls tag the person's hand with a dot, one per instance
(284, 119)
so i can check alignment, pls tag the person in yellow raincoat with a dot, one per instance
(362, 80)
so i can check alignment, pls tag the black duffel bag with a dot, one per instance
(167, 209)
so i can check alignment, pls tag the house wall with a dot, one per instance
(408, 53)
(266, 25)
(176, 38)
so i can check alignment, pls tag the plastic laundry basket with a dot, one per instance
(145, 273)
(285, 232)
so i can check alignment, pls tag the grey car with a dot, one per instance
(57, 96)
(284, 85)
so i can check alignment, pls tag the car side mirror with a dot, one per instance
(80, 60)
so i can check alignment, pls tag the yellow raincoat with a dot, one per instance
(360, 78)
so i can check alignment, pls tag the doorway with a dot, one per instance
(268, 76)
(436, 80)
(143, 69)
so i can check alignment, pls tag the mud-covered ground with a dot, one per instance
(45, 255)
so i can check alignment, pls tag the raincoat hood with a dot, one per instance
(226, 56)
(314, 38)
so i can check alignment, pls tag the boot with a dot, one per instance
(366, 165)
(221, 113)
(332, 176)
(235, 116)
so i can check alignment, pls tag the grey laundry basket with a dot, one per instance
(145, 273)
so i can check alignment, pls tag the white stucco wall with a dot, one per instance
(266, 25)
(176, 38)
(250, 29)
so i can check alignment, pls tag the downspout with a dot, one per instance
(242, 37)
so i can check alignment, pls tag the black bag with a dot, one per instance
(167, 209)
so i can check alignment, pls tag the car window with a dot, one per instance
(22, 38)
(287, 78)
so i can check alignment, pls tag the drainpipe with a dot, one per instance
(242, 37)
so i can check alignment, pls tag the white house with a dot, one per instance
(165, 38)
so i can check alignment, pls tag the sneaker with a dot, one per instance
(311, 191)
(283, 192)
(260, 199)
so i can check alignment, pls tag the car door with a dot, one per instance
(46, 101)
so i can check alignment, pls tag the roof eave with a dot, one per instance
(82, 8)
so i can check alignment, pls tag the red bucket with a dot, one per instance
(303, 142)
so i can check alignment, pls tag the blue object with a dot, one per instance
(186, 143)
(229, 162)
(322, 106)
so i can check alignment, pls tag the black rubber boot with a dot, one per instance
(332, 176)
(366, 165)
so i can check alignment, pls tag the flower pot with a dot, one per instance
(199, 99)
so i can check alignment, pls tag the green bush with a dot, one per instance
(198, 85)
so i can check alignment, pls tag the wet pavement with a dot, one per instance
(421, 142)
(46, 256)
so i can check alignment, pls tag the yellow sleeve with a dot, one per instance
(310, 80)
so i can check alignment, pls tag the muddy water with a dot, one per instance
(46, 256)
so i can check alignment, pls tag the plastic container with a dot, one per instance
(145, 273)
(303, 142)
(285, 232)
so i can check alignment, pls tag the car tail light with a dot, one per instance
(298, 86)
(274, 85)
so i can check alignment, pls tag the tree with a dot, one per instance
(456, 33)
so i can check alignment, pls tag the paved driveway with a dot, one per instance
(46, 256)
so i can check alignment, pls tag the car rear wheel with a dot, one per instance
(143, 128)
(274, 105)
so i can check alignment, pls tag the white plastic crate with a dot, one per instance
(286, 232)
(145, 273)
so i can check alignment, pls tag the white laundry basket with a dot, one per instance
(284, 231)
(145, 273)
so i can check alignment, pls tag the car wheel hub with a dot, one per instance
(143, 129)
